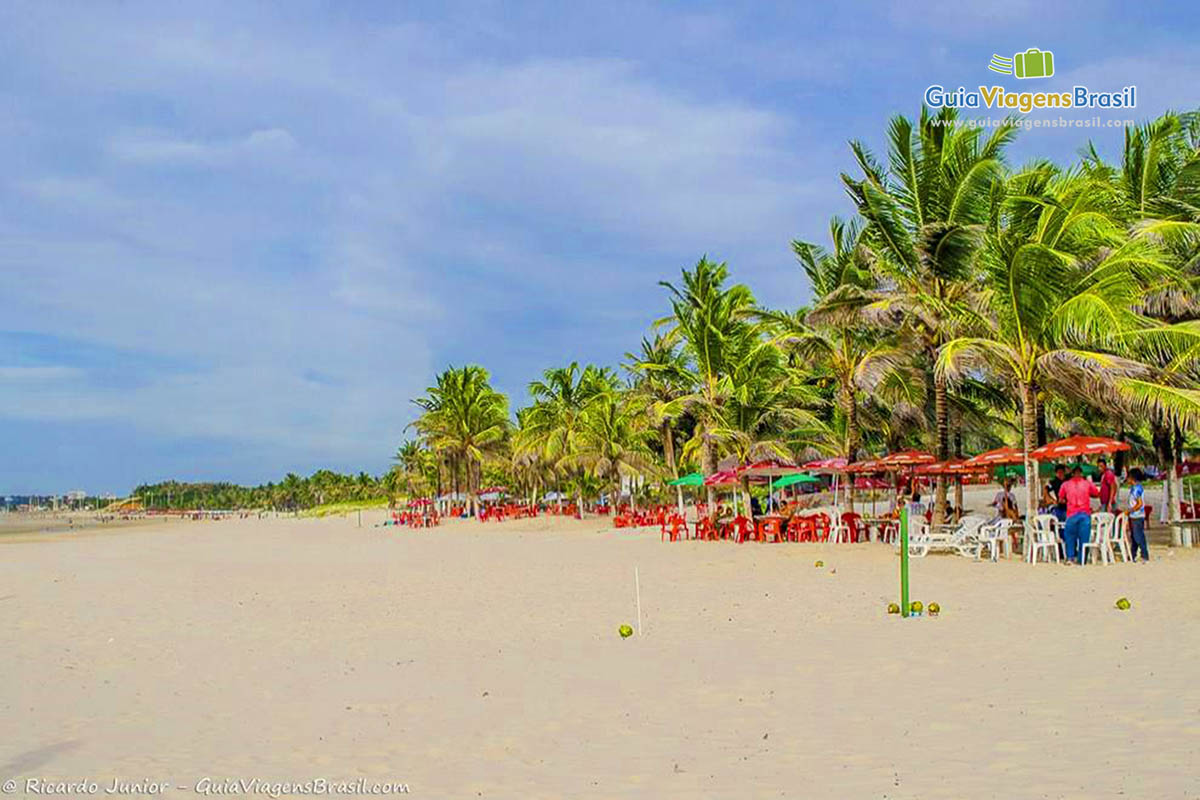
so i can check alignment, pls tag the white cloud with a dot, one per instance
(158, 149)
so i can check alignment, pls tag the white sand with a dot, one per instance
(483, 661)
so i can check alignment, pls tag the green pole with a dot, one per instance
(904, 560)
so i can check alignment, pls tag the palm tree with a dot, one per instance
(713, 323)
(660, 376)
(614, 436)
(410, 458)
(858, 356)
(1061, 281)
(554, 424)
(1158, 186)
(465, 418)
(926, 217)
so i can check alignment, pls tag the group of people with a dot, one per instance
(1068, 497)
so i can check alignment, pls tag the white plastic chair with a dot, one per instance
(919, 539)
(966, 540)
(994, 537)
(1099, 541)
(1119, 539)
(1043, 538)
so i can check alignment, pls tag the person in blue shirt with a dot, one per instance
(1137, 515)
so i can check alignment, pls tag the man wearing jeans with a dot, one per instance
(1137, 516)
(1077, 493)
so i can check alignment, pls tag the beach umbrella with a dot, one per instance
(1001, 455)
(871, 483)
(957, 466)
(767, 469)
(789, 480)
(907, 458)
(1077, 446)
(725, 477)
(693, 479)
(826, 465)
(872, 466)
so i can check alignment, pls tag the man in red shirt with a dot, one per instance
(1108, 487)
(1077, 493)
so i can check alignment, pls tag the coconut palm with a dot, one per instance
(926, 216)
(1062, 279)
(660, 376)
(1158, 186)
(614, 438)
(858, 356)
(554, 424)
(466, 418)
(713, 324)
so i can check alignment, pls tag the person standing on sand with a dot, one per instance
(1077, 493)
(1137, 515)
(1108, 487)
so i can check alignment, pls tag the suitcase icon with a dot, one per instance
(1033, 63)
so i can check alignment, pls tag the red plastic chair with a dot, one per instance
(796, 528)
(821, 527)
(853, 524)
(740, 529)
(772, 528)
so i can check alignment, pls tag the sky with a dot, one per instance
(237, 239)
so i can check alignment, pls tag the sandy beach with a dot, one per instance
(483, 661)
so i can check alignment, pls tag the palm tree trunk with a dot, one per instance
(669, 448)
(579, 493)
(850, 409)
(1164, 447)
(1029, 431)
(1041, 417)
(706, 457)
(1185, 537)
(958, 484)
(472, 496)
(941, 400)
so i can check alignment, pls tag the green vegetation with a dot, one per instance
(292, 493)
(969, 304)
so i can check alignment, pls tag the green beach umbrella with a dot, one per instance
(788, 480)
(695, 479)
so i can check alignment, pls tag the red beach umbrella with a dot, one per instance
(770, 468)
(1077, 446)
(998, 457)
(826, 465)
(870, 466)
(907, 458)
(725, 477)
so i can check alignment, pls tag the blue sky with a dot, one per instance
(236, 240)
